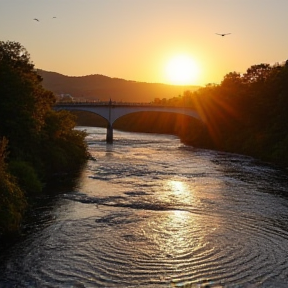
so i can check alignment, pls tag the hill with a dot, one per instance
(100, 87)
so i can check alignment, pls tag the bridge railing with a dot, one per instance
(116, 103)
(101, 103)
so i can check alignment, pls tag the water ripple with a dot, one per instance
(151, 212)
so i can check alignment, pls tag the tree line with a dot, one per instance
(245, 113)
(36, 142)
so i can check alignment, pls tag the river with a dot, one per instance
(149, 211)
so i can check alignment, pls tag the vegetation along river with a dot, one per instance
(149, 211)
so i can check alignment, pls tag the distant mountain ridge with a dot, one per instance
(100, 87)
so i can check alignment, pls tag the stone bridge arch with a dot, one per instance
(112, 112)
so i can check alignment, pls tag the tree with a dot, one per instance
(23, 101)
(25, 115)
(12, 200)
(34, 133)
(257, 73)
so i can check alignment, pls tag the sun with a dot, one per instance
(182, 70)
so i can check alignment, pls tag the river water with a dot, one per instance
(149, 211)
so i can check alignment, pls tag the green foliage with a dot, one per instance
(26, 176)
(23, 101)
(12, 200)
(35, 132)
(37, 135)
(65, 148)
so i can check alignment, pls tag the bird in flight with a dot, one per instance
(223, 34)
(36, 19)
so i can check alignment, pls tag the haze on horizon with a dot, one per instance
(148, 40)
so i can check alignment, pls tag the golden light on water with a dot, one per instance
(178, 186)
(179, 190)
(177, 228)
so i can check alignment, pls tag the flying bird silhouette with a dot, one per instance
(223, 34)
(36, 19)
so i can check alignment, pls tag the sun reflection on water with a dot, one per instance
(178, 230)
(177, 186)
(178, 192)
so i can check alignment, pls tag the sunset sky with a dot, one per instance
(148, 40)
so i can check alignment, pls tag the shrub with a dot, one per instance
(26, 177)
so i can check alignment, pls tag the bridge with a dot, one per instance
(111, 111)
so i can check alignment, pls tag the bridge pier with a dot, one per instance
(109, 135)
